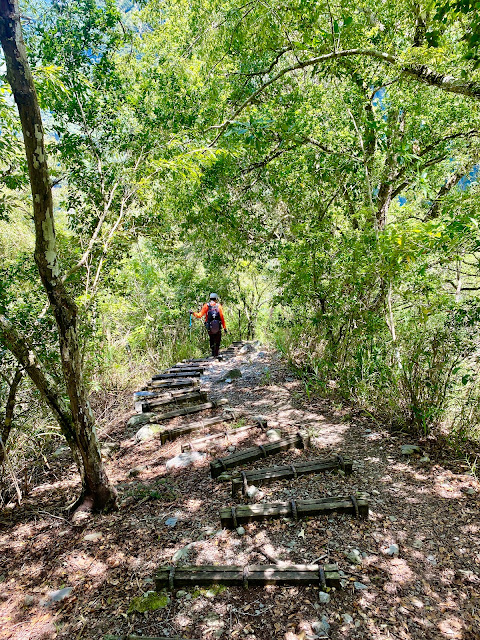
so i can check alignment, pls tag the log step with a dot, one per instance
(250, 575)
(166, 376)
(177, 432)
(182, 412)
(177, 383)
(260, 477)
(156, 403)
(143, 638)
(232, 517)
(299, 440)
(216, 436)
(163, 392)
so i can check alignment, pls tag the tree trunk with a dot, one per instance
(96, 487)
(6, 427)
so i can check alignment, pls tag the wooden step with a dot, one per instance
(177, 383)
(299, 440)
(167, 376)
(232, 517)
(260, 477)
(178, 432)
(251, 575)
(156, 403)
(216, 436)
(163, 392)
(184, 412)
(177, 369)
(123, 637)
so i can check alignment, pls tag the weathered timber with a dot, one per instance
(143, 638)
(232, 517)
(183, 412)
(205, 360)
(216, 436)
(260, 477)
(166, 376)
(163, 392)
(152, 405)
(253, 575)
(187, 367)
(178, 432)
(174, 384)
(299, 440)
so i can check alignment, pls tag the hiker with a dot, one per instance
(214, 321)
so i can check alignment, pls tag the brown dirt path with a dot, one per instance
(429, 509)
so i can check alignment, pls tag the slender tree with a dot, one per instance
(97, 491)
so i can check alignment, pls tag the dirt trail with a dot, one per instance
(428, 588)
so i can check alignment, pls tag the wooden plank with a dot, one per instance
(215, 436)
(299, 440)
(259, 477)
(151, 405)
(183, 412)
(164, 392)
(166, 376)
(173, 384)
(177, 432)
(129, 637)
(255, 575)
(231, 517)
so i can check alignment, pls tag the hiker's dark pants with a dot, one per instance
(215, 339)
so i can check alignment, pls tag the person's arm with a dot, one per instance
(221, 317)
(199, 314)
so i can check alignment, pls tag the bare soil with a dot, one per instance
(428, 507)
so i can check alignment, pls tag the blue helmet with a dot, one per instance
(213, 296)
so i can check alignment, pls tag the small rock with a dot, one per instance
(321, 627)
(424, 459)
(432, 560)
(228, 380)
(417, 544)
(28, 601)
(247, 348)
(355, 557)
(410, 449)
(392, 518)
(181, 594)
(60, 451)
(274, 435)
(231, 448)
(359, 586)
(392, 550)
(233, 374)
(182, 553)
(93, 537)
(56, 596)
(138, 420)
(347, 618)
(324, 598)
(136, 471)
(240, 531)
(469, 491)
(224, 477)
(252, 491)
(368, 431)
(147, 432)
(185, 459)
(171, 522)
(375, 492)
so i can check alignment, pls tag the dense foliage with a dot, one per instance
(314, 163)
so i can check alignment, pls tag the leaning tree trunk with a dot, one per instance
(96, 487)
